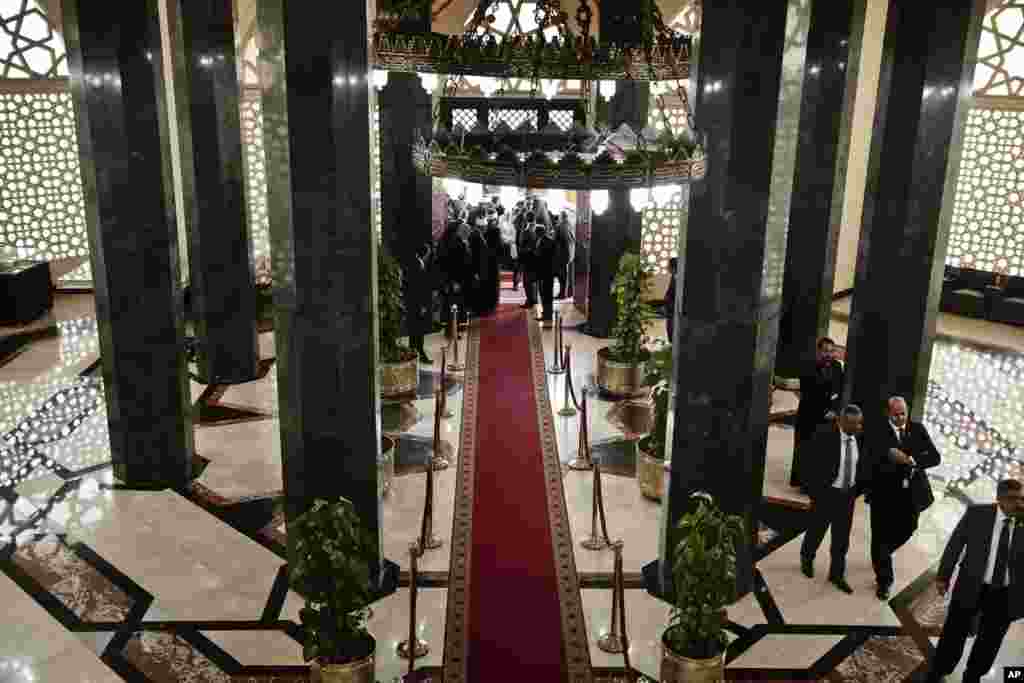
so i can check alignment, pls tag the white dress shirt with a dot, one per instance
(854, 454)
(997, 529)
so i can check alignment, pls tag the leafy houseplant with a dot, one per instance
(332, 570)
(659, 371)
(390, 309)
(704, 576)
(631, 281)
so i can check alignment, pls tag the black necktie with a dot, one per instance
(1002, 556)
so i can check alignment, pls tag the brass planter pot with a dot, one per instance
(624, 380)
(650, 473)
(678, 669)
(399, 379)
(386, 465)
(359, 671)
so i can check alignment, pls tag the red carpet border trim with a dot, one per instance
(456, 641)
(574, 625)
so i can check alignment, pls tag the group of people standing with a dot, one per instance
(836, 461)
(543, 251)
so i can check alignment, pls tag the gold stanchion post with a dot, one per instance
(582, 460)
(446, 412)
(456, 365)
(594, 541)
(613, 641)
(437, 460)
(412, 648)
(567, 409)
(427, 539)
(556, 361)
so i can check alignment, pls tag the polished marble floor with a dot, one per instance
(109, 583)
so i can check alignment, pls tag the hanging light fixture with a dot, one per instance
(380, 78)
(607, 89)
(599, 201)
(488, 86)
(638, 198)
(429, 82)
(549, 87)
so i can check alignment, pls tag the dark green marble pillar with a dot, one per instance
(816, 211)
(731, 262)
(924, 91)
(117, 87)
(406, 196)
(317, 127)
(620, 228)
(223, 296)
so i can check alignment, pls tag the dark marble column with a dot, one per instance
(316, 108)
(405, 194)
(924, 91)
(732, 254)
(117, 87)
(620, 228)
(223, 295)
(612, 234)
(816, 210)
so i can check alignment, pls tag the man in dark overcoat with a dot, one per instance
(820, 389)
(900, 447)
(420, 293)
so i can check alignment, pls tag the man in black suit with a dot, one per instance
(838, 469)
(899, 448)
(819, 400)
(544, 271)
(990, 539)
(420, 293)
(526, 242)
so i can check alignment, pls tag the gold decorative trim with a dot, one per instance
(574, 625)
(456, 637)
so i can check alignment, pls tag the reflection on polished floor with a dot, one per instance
(102, 583)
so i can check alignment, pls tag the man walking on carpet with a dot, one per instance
(988, 547)
(838, 470)
(902, 448)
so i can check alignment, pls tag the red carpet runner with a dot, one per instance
(513, 577)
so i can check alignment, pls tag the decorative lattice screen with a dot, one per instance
(563, 118)
(467, 118)
(513, 117)
(658, 242)
(28, 46)
(988, 210)
(255, 164)
(1000, 69)
(42, 212)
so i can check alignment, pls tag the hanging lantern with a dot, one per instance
(549, 87)
(599, 201)
(429, 82)
(607, 89)
(380, 78)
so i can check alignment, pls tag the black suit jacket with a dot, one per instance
(816, 391)
(969, 547)
(823, 461)
(891, 505)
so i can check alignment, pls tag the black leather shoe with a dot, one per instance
(544, 320)
(526, 306)
(840, 583)
(882, 592)
(807, 567)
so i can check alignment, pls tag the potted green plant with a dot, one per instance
(704, 578)
(621, 367)
(650, 450)
(331, 569)
(399, 365)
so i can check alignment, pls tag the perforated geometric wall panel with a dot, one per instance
(28, 46)
(988, 210)
(42, 212)
(659, 239)
(1000, 69)
(255, 171)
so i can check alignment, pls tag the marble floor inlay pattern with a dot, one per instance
(105, 587)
